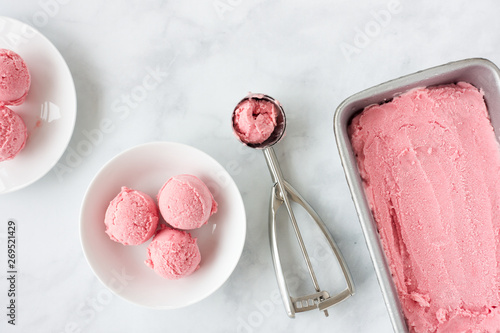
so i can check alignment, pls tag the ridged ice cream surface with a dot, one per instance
(254, 120)
(430, 165)
(185, 202)
(173, 254)
(13, 134)
(131, 217)
(15, 79)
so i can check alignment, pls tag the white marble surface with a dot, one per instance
(309, 55)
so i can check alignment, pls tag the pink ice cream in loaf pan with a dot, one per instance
(422, 159)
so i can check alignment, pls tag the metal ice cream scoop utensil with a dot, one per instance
(283, 193)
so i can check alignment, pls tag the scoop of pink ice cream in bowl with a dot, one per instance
(259, 122)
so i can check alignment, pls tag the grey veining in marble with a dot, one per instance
(207, 56)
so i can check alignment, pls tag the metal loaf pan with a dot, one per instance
(481, 73)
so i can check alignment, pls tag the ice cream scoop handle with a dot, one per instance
(283, 193)
(272, 163)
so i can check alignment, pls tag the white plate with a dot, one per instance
(49, 110)
(121, 268)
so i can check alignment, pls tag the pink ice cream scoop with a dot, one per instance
(173, 254)
(254, 120)
(15, 78)
(185, 202)
(13, 134)
(131, 217)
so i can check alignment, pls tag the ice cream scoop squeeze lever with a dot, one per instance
(259, 122)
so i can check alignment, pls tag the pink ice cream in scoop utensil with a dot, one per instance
(259, 122)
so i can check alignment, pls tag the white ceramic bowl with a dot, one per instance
(121, 268)
(49, 110)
